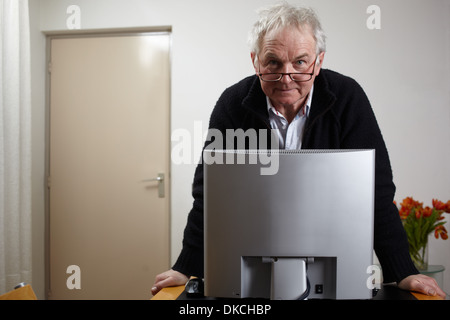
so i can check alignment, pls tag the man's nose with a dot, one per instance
(287, 69)
(286, 78)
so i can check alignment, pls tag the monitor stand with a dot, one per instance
(275, 278)
(288, 279)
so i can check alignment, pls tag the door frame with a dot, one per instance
(85, 33)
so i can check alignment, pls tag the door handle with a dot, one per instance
(160, 179)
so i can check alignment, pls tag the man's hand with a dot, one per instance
(422, 284)
(169, 278)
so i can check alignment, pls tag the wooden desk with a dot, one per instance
(22, 293)
(172, 293)
(420, 296)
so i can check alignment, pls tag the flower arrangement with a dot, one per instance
(419, 222)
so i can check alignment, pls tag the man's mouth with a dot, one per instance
(284, 89)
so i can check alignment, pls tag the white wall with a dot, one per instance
(404, 68)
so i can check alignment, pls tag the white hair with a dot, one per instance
(283, 15)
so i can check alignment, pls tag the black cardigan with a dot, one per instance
(340, 118)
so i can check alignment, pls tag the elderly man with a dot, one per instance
(311, 108)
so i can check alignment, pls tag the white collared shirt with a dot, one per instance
(289, 134)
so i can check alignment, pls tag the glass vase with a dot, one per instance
(420, 257)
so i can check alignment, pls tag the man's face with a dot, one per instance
(286, 51)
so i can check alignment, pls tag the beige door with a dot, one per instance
(109, 141)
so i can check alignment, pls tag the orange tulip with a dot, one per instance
(419, 213)
(440, 231)
(410, 203)
(427, 212)
(439, 205)
(447, 207)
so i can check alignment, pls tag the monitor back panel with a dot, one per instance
(316, 204)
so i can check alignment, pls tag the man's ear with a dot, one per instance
(254, 61)
(319, 64)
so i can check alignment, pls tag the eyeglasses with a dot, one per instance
(295, 76)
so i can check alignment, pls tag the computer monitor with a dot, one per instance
(285, 224)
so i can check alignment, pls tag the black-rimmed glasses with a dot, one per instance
(295, 76)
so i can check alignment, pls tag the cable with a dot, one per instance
(308, 289)
(308, 286)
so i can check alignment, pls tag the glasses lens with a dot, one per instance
(270, 76)
(300, 76)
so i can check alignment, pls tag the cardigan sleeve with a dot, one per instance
(190, 262)
(359, 129)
